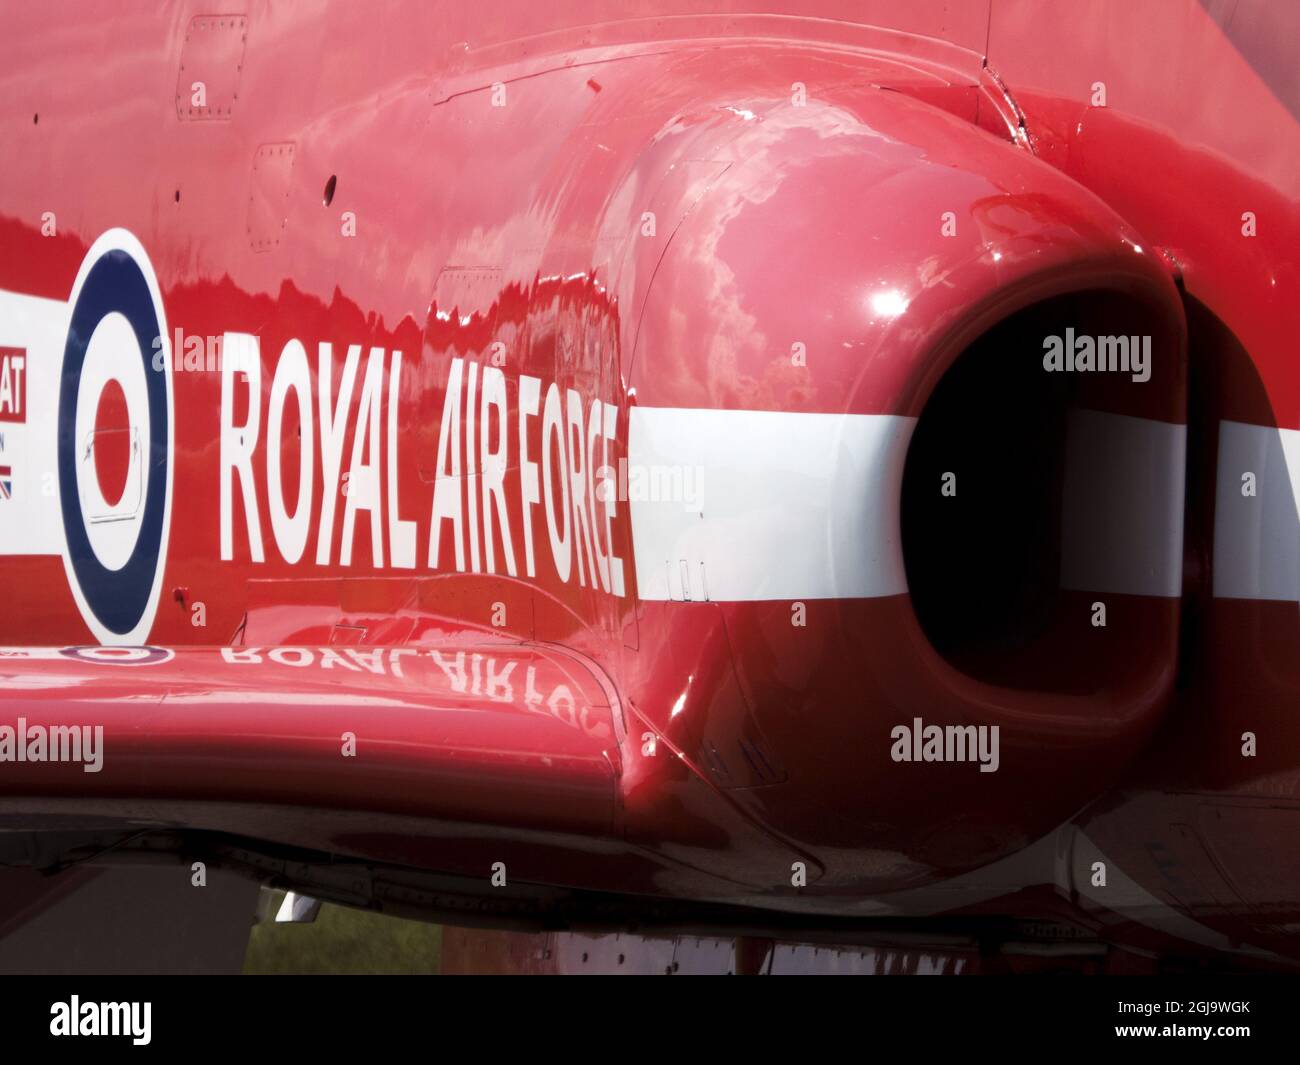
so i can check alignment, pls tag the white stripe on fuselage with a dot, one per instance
(1257, 537)
(31, 521)
(796, 506)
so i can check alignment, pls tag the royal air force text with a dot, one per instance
(557, 444)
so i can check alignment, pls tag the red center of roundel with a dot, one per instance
(112, 442)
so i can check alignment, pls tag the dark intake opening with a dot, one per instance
(984, 564)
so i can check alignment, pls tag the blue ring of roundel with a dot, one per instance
(118, 598)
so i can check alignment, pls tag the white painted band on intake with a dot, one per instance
(772, 505)
(1257, 536)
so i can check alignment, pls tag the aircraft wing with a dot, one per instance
(518, 736)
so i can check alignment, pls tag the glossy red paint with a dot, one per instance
(487, 733)
(472, 261)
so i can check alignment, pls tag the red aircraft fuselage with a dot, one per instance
(631, 454)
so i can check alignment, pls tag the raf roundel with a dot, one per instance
(115, 432)
(119, 656)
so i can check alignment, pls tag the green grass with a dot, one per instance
(343, 940)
